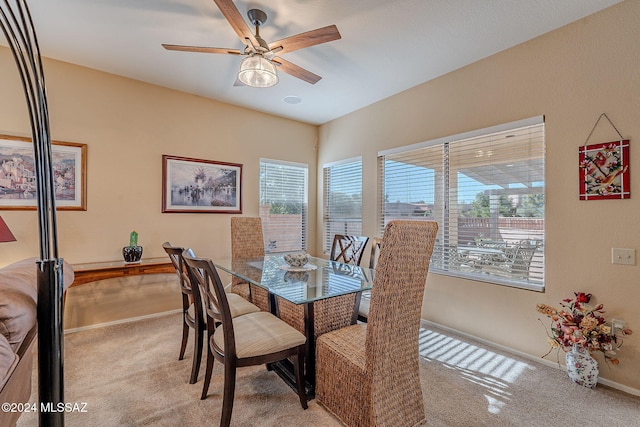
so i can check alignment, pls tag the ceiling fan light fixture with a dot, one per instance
(256, 71)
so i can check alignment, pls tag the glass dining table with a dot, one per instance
(320, 279)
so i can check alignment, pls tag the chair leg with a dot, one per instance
(298, 366)
(197, 353)
(229, 392)
(207, 375)
(185, 337)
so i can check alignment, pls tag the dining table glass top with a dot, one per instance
(318, 279)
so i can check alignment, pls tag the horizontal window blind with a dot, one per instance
(342, 200)
(487, 194)
(283, 205)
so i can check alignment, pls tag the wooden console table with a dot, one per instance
(93, 271)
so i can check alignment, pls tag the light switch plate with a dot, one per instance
(623, 256)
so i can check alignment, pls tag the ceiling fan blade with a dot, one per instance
(296, 71)
(231, 13)
(310, 38)
(201, 49)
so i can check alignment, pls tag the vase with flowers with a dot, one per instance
(580, 329)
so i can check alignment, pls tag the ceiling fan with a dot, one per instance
(258, 69)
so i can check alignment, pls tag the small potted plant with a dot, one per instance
(133, 252)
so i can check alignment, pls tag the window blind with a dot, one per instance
(342, 200)
(486, 191)
(283, 205)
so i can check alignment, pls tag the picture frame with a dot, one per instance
(17, 174)
(604, 171)
(200, 186)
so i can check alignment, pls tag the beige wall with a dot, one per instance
(570, 76)
(128, 126)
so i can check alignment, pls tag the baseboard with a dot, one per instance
(118, 322)
(537, 359)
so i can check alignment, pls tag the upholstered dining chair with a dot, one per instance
(252, 339)
(247, 242)
(193, 316)
(365, 298)
(368, 374)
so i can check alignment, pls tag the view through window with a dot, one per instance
(342, 199)
(283, 205)
(486, 191)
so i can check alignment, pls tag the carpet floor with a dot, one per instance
(130, 375)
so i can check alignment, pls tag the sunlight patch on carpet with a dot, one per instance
(494, 372)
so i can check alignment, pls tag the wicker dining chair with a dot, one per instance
(348, 249)
(368, 374)
(193, 316)
(247, 242)
(365, 298)
(252, 339)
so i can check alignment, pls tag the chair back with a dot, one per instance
(175, 255)
(190, 291)
(246, 237)
(204, 273)
(246, 240)
(375, 252)
(522, 257)
(394, 317)
(348, 249)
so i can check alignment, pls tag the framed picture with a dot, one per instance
(604, 171)
(17, 174)
(201, 186)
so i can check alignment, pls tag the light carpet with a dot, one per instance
(130, 375)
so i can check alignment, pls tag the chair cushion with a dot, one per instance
(260, 333)
(365, 300)
(191, 312)
(241, 289)
(240, 306)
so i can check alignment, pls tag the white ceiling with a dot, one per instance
(387, 46)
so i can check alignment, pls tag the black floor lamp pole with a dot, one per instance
(18, 28)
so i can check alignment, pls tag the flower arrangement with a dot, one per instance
(579, 323)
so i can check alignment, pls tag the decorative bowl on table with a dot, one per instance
(296, 260)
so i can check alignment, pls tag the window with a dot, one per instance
(486, 191)
(342, 199)
(283, 205)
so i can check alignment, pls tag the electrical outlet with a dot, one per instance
(623, 256)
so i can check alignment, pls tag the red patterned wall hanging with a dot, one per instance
(604, 171)
(604, 168)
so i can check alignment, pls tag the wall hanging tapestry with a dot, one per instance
(604, 168)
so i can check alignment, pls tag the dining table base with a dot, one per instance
(319, 317)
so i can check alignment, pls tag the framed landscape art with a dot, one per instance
(17, 174)
(200, 186)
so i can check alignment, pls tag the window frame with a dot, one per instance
(304, 208)
(446, 185)
(353, 225)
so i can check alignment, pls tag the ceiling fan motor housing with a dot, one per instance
(257, 17)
